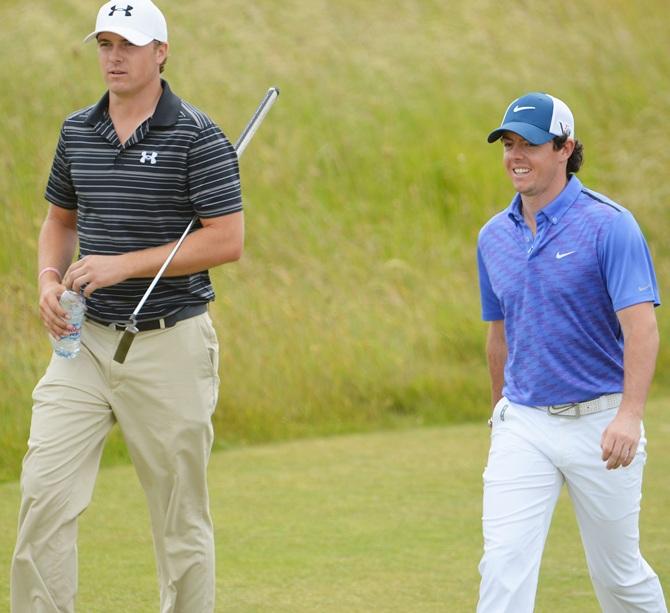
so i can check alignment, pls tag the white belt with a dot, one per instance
(576, 409)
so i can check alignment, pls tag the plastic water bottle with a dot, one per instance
(75, 306)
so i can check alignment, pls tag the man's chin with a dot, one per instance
(521, 186)
(119, 89)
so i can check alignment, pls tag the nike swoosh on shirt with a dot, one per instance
(643, 289)
(560, 256)
(518, 108)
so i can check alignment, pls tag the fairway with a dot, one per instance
(374, 522)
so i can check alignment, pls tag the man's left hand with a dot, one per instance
(620, 439)
(95, 271)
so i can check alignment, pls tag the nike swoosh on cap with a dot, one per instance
(518, 108)
(560, 255)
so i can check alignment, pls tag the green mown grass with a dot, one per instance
(381, 522)
(355, 306)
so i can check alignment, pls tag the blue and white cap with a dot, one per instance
(536, 117)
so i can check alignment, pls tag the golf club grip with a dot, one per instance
(256, 120)
(240, 146)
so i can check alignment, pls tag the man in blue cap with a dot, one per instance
(568, 286)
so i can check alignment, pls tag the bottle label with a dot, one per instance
(74, 335)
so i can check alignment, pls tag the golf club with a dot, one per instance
(242, 142)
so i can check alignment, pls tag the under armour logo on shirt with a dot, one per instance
(148, 156)
(127, 10)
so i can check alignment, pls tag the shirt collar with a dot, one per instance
(553, 211)
(166, 113)
(167, 109)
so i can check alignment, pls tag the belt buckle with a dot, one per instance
(561, 409)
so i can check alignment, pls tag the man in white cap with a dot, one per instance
(568, 286)
(128, 175)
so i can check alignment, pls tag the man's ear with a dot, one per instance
(162, 51)
(568, 148)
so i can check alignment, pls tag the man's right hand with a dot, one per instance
(52, 314)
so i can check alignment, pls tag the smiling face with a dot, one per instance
(129, 69)
(537, 171)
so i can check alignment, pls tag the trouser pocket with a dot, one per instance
(499, 412)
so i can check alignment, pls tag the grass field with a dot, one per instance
(382, 522)
(355, 306)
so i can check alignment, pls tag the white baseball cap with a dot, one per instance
(139, 21)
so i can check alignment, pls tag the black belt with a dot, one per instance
(158, 324)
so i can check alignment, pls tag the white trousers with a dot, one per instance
(532, 454)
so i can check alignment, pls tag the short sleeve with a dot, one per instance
(60, 189)
(491, 310)
(213, 174)
(627, 266)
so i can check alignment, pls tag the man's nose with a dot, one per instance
(516, 150)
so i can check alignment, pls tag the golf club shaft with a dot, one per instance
(240, 146)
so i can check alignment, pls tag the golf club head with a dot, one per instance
(125, 343)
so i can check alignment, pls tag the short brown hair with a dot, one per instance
(576, 159)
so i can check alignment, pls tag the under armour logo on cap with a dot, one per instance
(128, 11)
(139, 23)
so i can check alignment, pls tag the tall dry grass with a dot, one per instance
(355, 306)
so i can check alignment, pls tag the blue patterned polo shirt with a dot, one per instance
(558, 293)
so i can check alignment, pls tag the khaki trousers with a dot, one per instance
(163, 398)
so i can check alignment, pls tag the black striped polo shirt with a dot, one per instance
(143, 193)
